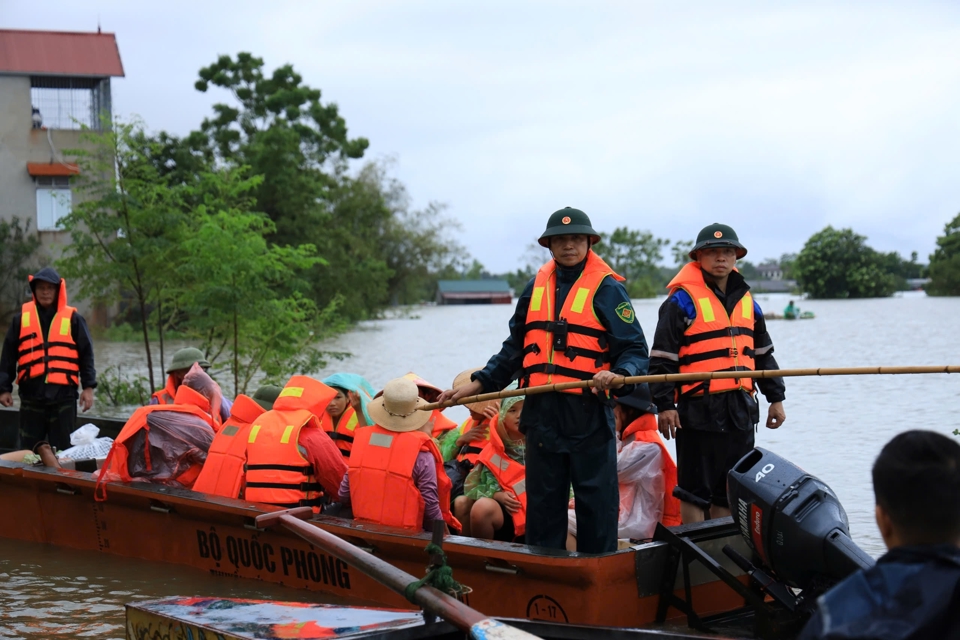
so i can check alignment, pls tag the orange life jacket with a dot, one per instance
(276, 471)
(644, 429)
(222, 473)
(53, 357)
(715, 341)
(168, 393)
(304, 392)
(342, 433)
(381, 478)
(510, 475)
(440, 423)
(571, 345)
(116, 463)
(472, 450)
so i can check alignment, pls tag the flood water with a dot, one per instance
(834, 429)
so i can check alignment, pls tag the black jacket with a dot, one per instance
(912, 593)
(568, 422)
(36, 388)
(720, 411)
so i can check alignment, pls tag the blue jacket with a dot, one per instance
(911, 593)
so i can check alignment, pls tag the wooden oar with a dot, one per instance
(447, 607)
(696, 377)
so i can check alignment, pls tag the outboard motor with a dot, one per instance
(793, 521)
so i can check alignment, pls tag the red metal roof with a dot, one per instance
(60, 53)
(52, 169)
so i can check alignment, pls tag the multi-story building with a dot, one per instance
(52, 85)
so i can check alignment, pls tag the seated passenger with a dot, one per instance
(348, 410)
(646, 472)
(913, 591)
(494, 503)
(468, 440)
(178, 369)
(291, 461)
(439, 423)
(396, 473)
(222, 473)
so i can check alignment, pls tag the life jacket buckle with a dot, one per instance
(733, 352)
(559, 331)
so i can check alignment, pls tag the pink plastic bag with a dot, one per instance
(201, 382)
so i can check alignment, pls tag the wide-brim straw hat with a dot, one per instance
(398, 408)
(462, 379)
(423, 384)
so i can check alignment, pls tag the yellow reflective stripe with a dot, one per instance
(579, 300)
(253, 434)
(747, 303)
(296, 392)
(537, 299)
(25, 319)
(285, 438)
(352, 423)
(64, 326)
(706, 309)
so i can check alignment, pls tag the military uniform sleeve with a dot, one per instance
(81, 336)
(664, 357)
(628, 346)
(8, 357)
(773, 389)
(502, 368)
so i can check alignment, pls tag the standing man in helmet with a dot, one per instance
(48, 352)
(711, 323)
(573, 321)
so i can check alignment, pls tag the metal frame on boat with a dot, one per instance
(219, 536)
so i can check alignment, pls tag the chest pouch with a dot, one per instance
(559, 330)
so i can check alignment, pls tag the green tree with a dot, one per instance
(634, 255)
(241, 300)
(18, 259)
(839, 264)
(281, 130)
(945, 262)
(680, 252)
(126, 228)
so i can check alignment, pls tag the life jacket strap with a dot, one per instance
(305, 469)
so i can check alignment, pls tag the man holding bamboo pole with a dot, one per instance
(710, 323)
(573, 322)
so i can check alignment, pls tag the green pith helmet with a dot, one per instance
(717, 235)
(266, 395)
(185, 358)
(568, 221)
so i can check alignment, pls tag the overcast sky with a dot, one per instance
(776, 118)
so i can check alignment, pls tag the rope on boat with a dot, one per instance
(697, 377)
(440, 577)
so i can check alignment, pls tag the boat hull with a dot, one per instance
(218, 535)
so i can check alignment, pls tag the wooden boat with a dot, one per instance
(219, 536)
(238, 619)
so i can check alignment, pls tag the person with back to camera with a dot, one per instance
(572, 322)
(913, 592)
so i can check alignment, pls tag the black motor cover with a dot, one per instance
(793, 521)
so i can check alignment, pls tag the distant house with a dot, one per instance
(473, 292)
(770, 271)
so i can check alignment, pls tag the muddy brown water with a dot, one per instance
(834, 429)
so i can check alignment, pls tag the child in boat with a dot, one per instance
(467, 441)
(348, 410)
(645, 472)
(494, 503)
(395, 475)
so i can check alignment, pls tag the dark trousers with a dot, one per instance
(593, 474)
(44, 420)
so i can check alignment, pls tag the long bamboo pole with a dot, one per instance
(697, 377)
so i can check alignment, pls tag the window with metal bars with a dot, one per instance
(68, 103)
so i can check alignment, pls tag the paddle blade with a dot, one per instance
(491, 629)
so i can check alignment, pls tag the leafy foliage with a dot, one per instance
(18, 257)
(120, 390)
(634, 255)
(945, 262)
(839, 264)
